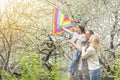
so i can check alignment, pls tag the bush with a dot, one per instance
(31, 69)
(7, 76)
(117, 69)
(55, 74)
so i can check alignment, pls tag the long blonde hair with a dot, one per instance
(95, 42)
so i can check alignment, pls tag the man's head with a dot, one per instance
(88, 34)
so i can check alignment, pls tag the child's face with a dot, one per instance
(78, 30)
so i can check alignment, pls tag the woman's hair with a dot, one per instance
(81, 28)
(95, 42)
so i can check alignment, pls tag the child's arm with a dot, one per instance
(74, 45)
(68, 31)
(73, 34)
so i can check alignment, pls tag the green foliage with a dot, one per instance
(31, 69)
(117, 69)
(55, 74)
(7, 76)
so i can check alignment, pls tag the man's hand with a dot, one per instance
(83, 48)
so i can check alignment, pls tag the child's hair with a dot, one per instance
(82, 28)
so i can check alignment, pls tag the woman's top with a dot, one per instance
(92, 58)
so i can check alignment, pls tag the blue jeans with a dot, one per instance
(95, 74)
(73, 66)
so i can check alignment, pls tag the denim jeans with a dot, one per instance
(95, 74)
(73, 66)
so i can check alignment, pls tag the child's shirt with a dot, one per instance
(78, 39)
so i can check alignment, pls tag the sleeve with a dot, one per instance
(68, 31)
(87, 53)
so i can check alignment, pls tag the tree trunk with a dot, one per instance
(5, 67)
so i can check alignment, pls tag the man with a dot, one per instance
(84, 73)
(88, 34)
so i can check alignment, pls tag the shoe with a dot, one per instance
(69, 75)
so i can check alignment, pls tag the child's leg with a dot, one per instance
(73, 65)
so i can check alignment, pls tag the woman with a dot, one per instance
(91, 54)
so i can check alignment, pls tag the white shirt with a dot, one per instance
(92, 58)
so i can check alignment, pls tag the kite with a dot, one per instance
(61, 20)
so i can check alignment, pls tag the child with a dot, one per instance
(78, 37)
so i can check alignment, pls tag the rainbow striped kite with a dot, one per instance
(61, 20)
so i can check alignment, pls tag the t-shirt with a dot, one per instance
(78, 39)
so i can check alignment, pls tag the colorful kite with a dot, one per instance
(61, 20)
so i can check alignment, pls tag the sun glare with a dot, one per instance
(2, 2)
(5, 2)
(2, 5)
